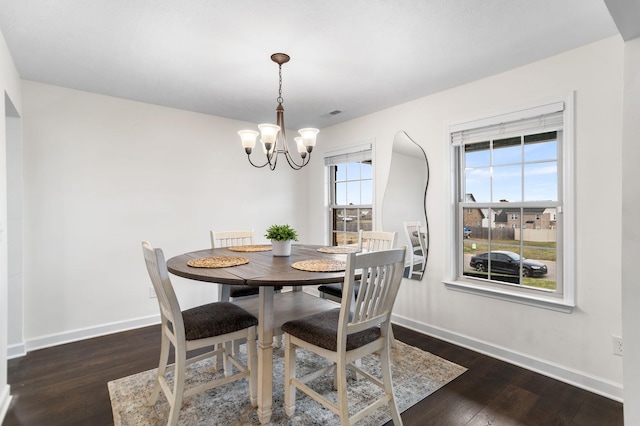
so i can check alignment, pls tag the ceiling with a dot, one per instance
(353, 56)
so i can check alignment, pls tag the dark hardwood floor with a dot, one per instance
(67, 385)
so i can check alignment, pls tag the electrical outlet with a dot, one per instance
(617, 345)
(152, 293)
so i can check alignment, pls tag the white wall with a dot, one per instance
(575, 347)
(14, 233)
(101, 174)
(10, 93)
(631, 233)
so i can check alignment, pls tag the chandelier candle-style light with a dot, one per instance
(273, 137)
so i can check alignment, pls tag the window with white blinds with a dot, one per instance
(513, 217)
(351, 193)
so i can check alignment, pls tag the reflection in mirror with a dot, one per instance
(405, 200)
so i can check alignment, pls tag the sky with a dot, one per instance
(492, 175)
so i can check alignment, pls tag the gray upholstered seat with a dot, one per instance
(322, 330)
(245, 290)
(333, 291)
(215, 319)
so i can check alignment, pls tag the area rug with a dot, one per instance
(416, 374)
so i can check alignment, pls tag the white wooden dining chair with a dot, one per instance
(227, 292)
(367, 241)
(210, 325)
(376, 240)
(360, 327)
(417, 245)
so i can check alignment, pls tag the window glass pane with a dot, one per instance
(366, 170)
(353, 171)
(338, 222)
(541, 181)
(366, 223)
(353, 192)
(507, 151)
(351, 220)
(478, 183)
(507, 183)
(477, 154)
(341, 172)
(341, 193)
(540, 151)
(366, 195)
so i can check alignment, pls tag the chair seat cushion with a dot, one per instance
(246, 290)
(322, 330)
(215, 319)
(336, 289)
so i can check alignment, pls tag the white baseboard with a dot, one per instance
(89, 332)
(15, 351)
(5, 401)
(565, 374)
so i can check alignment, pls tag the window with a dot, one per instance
(515, 168)
(351, 195)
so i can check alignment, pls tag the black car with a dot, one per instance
(508, 262)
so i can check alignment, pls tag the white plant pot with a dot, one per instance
(281, 248)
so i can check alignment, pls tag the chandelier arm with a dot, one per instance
(253, 164)
(268, 163)
(295, 165)
(274, 157)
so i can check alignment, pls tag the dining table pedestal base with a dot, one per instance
(290, 305)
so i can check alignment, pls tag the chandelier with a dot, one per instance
(273, 136)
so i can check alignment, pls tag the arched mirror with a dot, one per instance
(404, 208)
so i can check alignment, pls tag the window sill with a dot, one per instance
(510, 296)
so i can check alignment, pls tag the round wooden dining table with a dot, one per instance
(266, 271)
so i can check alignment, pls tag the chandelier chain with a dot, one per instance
(279, 99)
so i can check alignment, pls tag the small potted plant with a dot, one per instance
(281, 237)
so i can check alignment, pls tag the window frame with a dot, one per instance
(565, 300)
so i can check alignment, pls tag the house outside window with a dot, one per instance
(517, 168)
(350, 195)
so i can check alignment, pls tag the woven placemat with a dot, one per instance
(251, 248)
(338, 250)
(320, 265)
(217, 262)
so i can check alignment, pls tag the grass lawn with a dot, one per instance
(531, 249)
(526, 281)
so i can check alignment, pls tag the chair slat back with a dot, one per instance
(159, 274)
(231, 238)
(380, 278)
(376, 240)
(412, 231)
